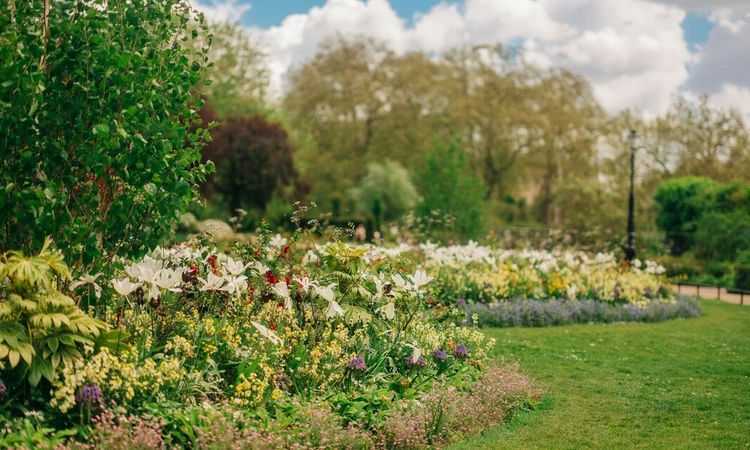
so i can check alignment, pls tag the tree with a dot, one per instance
(386, 192)
(238, 74)
(253, 158)
(95, 118)
(448, 186)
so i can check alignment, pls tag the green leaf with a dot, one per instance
(101, 128)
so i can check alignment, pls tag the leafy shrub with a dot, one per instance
(40, 327)
(682, 202)
(95, 109)
(448, 186)
(722, 235)
(742, 276)
(386, 192)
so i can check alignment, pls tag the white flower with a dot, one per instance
(268, 334)
(281, 289)
(88, 279)
(167, 279)
(235, 267)
(277, 242)
(389, 310)
(334, 309)
(124, 287)
(420, 278)
(416, 353)
(213, 283)
(399, 280)
(326, 291)
(305, 283)
(310, 257)
(260, 268)
(235, 285)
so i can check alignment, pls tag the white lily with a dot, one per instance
(305, 283)
(213, 283)
(389, 310)
(378, 286)
(416, 353)
(326, 291)
(235, 267)
(168, 279)
(420, 278)
(268, 334)
(88, 279)
(334, 309)
(281, 289)
(235, 285)
(260, 268)
(277, 242)
(398, 280)
(124, 287)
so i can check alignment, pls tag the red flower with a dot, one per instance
(193, 269)
(288, 281)
(286, 249)
(280, 304)
(212, 261)
(272, 326)
(271, 278)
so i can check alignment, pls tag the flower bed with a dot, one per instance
(262, 347)
(547, 313)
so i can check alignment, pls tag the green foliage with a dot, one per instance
(721, 236)
(682, 201)
(40, 327)
(386, 192)
(742, 276)
(448, 186)
(95, 108)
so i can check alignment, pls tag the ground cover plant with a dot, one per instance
(679, 384)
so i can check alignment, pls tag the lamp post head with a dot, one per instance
(632, 139)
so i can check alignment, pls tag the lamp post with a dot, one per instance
(630, 247)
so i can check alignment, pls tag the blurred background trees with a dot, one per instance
(475, 133)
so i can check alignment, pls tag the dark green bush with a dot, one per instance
(742, 276)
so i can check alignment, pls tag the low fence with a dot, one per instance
(712, 288)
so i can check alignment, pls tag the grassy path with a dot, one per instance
(681, 384)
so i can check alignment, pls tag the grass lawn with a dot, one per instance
(679, 384)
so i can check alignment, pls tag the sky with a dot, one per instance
(637, 54)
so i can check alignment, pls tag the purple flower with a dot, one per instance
(460, 302)
(357, 363)
(3, 389)
(419, 363)
(461, 352)
(439, 355)
(647, 292)
(90, 395)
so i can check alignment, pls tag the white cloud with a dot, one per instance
(722, 66)
(732, 95)
(222, 10)
(633, 51)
